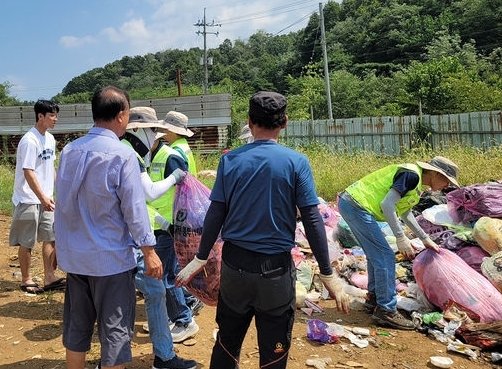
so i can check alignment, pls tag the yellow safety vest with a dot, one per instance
(185, 151)
(370, 190)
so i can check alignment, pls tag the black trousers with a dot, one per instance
(269, 297)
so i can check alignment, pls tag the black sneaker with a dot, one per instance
(370, 303)
(392, 319)
(175, 363)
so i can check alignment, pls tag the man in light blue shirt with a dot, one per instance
(101, 216)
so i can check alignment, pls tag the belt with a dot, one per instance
(238, 258)
(346, 196)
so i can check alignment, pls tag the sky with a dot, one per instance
(47, 43)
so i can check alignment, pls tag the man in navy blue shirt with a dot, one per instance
(258, 188)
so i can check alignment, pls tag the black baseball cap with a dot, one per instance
(267, 105)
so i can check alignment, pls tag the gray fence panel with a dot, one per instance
(390, 135)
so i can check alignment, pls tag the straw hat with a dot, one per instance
(444, 166)
(177, 122)
(143, 117)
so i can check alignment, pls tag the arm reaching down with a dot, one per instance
(316, 236)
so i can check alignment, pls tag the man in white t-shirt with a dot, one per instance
(33, 217)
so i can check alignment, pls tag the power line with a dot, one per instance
(295, 23)
(266, 13)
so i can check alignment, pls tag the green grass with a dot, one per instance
(6, 184)
(333, 171)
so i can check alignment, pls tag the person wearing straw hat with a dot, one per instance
(177, 131)
(141, 135)
(387, 195)
(175, 134)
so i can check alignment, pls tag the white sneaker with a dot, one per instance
(182, 332)
(146, 329)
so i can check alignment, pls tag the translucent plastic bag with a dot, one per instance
(445, 276)
(190, 208)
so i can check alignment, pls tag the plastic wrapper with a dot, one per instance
(320, 331)
(445, 276)
(492, 269)
(329, 213)
(190, 208)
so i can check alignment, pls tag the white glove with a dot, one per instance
(179, 175)
(162, 222)
(430, 244)
(187, 273)
(335, 289)
(404, 247)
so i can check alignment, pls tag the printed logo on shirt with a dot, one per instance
(279, 348)
(46, 154)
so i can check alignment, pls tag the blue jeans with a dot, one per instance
(379, 255)
(154, 292)
(177, 308)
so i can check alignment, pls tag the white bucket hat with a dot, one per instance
(444, 166)
(143, 117)
(178, 123)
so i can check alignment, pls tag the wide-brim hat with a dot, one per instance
(444, 166)
(143, 117)
(245, 133)
(178, 123)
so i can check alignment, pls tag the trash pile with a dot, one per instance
(454, 295)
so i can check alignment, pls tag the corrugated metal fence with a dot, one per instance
(391, 135)
(208, 117)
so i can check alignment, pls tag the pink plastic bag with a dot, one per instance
(190, 207)
(445, 276)
(329, 213)
(473, 256)
(468, 204)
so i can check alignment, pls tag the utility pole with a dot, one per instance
(205, 61)
(325, 57)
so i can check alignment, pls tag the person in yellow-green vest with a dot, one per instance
(165, 159)
(176, 124)
(141, 135)
(389, 194)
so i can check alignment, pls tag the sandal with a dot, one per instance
(58, 285)
(32, 288)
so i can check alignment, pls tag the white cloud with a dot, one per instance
(73, 42)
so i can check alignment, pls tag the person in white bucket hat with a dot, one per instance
(141, 133)
(180, 304)
(177, 131)
(389, 194)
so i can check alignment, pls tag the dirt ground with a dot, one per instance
(30, 333)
